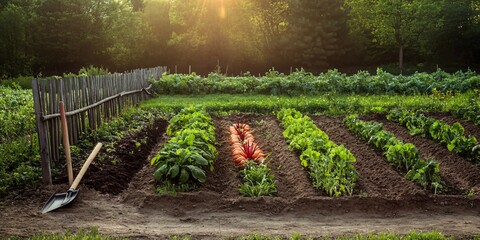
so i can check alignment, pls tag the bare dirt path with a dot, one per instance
(116, 218)
(216, 210)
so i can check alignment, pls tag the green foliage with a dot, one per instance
(19, 161)
(17, 82)
(257, 180)
(130, 122)
(88, 71)
(392, 236)
(304, 83)
(329, 104)
(90, 234)
(471, 112)
(14, 42)
(452, 136)
(378, 236)
(17, 116)
(403, 156)
(168, 188)
(330, 166)
(190, 118)
(43, 35)
(397, 23)
(318, 29)
(190, 151)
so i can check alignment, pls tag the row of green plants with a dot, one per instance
(249, 157)
(329, 104)
(189, 152)
(403, 156)
(302, 82)
(331, 167)
(452, 136)
(470, 112)
(19, 158)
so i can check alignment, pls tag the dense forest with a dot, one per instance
(56, 36)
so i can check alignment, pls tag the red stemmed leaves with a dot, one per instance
(243, 146)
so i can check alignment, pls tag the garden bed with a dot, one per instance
(382, 200)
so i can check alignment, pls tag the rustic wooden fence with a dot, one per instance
(88, 102)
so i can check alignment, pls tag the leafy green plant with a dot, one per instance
(190, 151)
(330, 166)
(404, 156)
(470, 112)
(257, 180)
(452, 136)
(301, 82)
(19, 158)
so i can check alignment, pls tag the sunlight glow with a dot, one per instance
(222, 12)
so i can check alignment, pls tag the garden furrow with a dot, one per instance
(224, 178)
(376, 176)
(109, 177)
(455, 170)
(291, 180)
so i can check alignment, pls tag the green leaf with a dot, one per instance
(197, 173)
(184, 175)
(199, 160)
(173, 172)
(160, 172)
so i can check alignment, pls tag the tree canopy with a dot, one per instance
(56, 36)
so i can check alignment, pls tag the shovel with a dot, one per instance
(59, 200)
(66, 143)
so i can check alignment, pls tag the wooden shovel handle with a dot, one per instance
(85, 165)
(66, 143)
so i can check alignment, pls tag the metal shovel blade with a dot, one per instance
(59, 200)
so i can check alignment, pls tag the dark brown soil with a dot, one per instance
(109, 177)
(224, 179)
(457, 172)
(292, 181)
(376, 177)
(384, 201)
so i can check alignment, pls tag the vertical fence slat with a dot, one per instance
(77, 93)
(42, 135)
(83, 104)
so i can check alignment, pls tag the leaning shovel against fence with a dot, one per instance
(61, 199)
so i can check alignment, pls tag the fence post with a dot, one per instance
(42, 135)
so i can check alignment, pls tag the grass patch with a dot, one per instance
(90, 234)
(94, 234)
(380, 236)
(168, 188)
(329, 104)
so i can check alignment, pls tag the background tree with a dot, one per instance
(405, 24)
(457, 40)
(64, 34)
(57, 36)
(15, 57)
(314, 33)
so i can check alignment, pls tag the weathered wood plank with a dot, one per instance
(42, 135)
